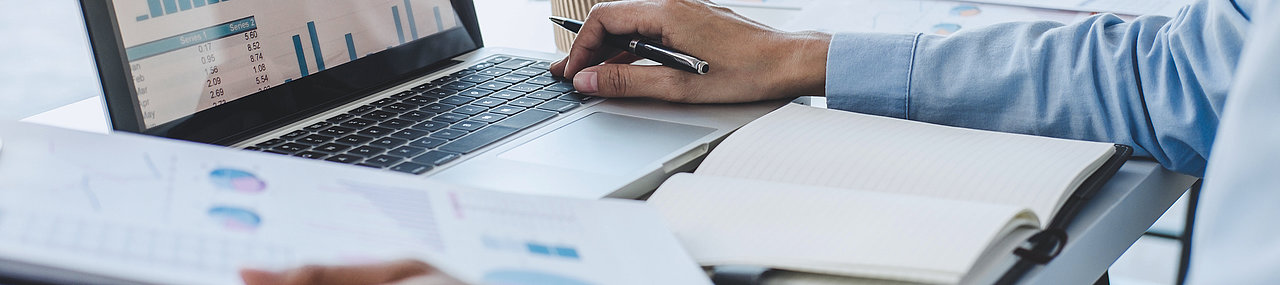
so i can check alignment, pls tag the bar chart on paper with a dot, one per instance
(157, 8)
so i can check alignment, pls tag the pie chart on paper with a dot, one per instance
(237, 180)
(235, 219)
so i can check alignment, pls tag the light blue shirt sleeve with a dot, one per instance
(1155, 83)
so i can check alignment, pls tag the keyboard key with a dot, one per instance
(367, 151)
(499, 59)
(462, 73)
(476, 78)
(291, 147)
(456, 100)
(479, 139)
(494, 85)
(294, 134)
(359, 123)
(406, 151)
(419, 100)
(438, 108)
(507, 110)
(375, 132)
(545, 95)
(410, 133)
(515, 63)
(524, 87)
(383, 102)
(494, 71)
(435, 157)
(411, 168)
(475, 92)
(388, 142)
(379, 115)
(442, 80)
(506, 95)
(558, 106)
(424, 86)
(457, 86)
(468, 125)
(489, 117)
(436, 93)
(400, 107)
(526, 119)
(480, 66)
(354, 140)
(311, 155)
(489, 102)
(396, 124)
(405, 94)
(252, 148)
(314, 139)
(416, 116)
(362, 109)
(529, 71)
(331, 148)
(345, 158)
(271, 143)
(470, 109)
(340, 118)
(427, 143)
(277, 152)
(541, 80)
(448, 134)
(381, 161)
(576, 97)
(318, 126)
(512, 78)
(429, 126)
(525, 102)
(449, 117)
(541, 65)
(336, 131)
(560, 87)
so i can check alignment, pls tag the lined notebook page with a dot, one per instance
(723, 220)
(806, 145)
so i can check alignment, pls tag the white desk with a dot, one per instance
(1117, 217)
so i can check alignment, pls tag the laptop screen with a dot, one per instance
(183, 57)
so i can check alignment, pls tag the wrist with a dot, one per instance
(803, 69)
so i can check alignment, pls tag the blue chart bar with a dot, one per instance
(302, 58)
(439, 21)
(170, 7)
(351, 47)
(315, 46)
(156, 10)
(198, 3)
(395, 14)
(142, 17)
(413, 24)
(184, 5)
(216, 1)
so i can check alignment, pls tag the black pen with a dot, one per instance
(652, 51)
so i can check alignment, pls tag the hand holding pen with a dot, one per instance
(752, 62)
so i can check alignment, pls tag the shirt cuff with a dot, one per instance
(870, 73)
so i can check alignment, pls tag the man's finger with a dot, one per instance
(626, 80)
(378, 273)
(619, 18)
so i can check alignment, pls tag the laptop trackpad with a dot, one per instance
(607, 143)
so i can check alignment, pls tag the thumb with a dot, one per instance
(626, 80)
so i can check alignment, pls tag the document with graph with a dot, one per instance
(90, 208)
(186, 56)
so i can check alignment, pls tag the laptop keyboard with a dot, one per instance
(434, 123)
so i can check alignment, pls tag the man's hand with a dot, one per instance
(402, 272)
(749, 61)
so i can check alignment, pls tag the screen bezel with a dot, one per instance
(263, 111)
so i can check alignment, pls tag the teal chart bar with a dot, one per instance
(395, 14)
(439, 21)
(157, 8)
(413, 24)
(351, 47)
(302, 58)
(315, 46)
(184, 5)
(170, 7)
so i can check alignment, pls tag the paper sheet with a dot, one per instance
(160, 211)
(1126, 7)
(811, 146)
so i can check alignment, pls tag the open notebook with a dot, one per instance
(826, 191)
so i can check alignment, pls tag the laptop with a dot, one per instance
(398, 85)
